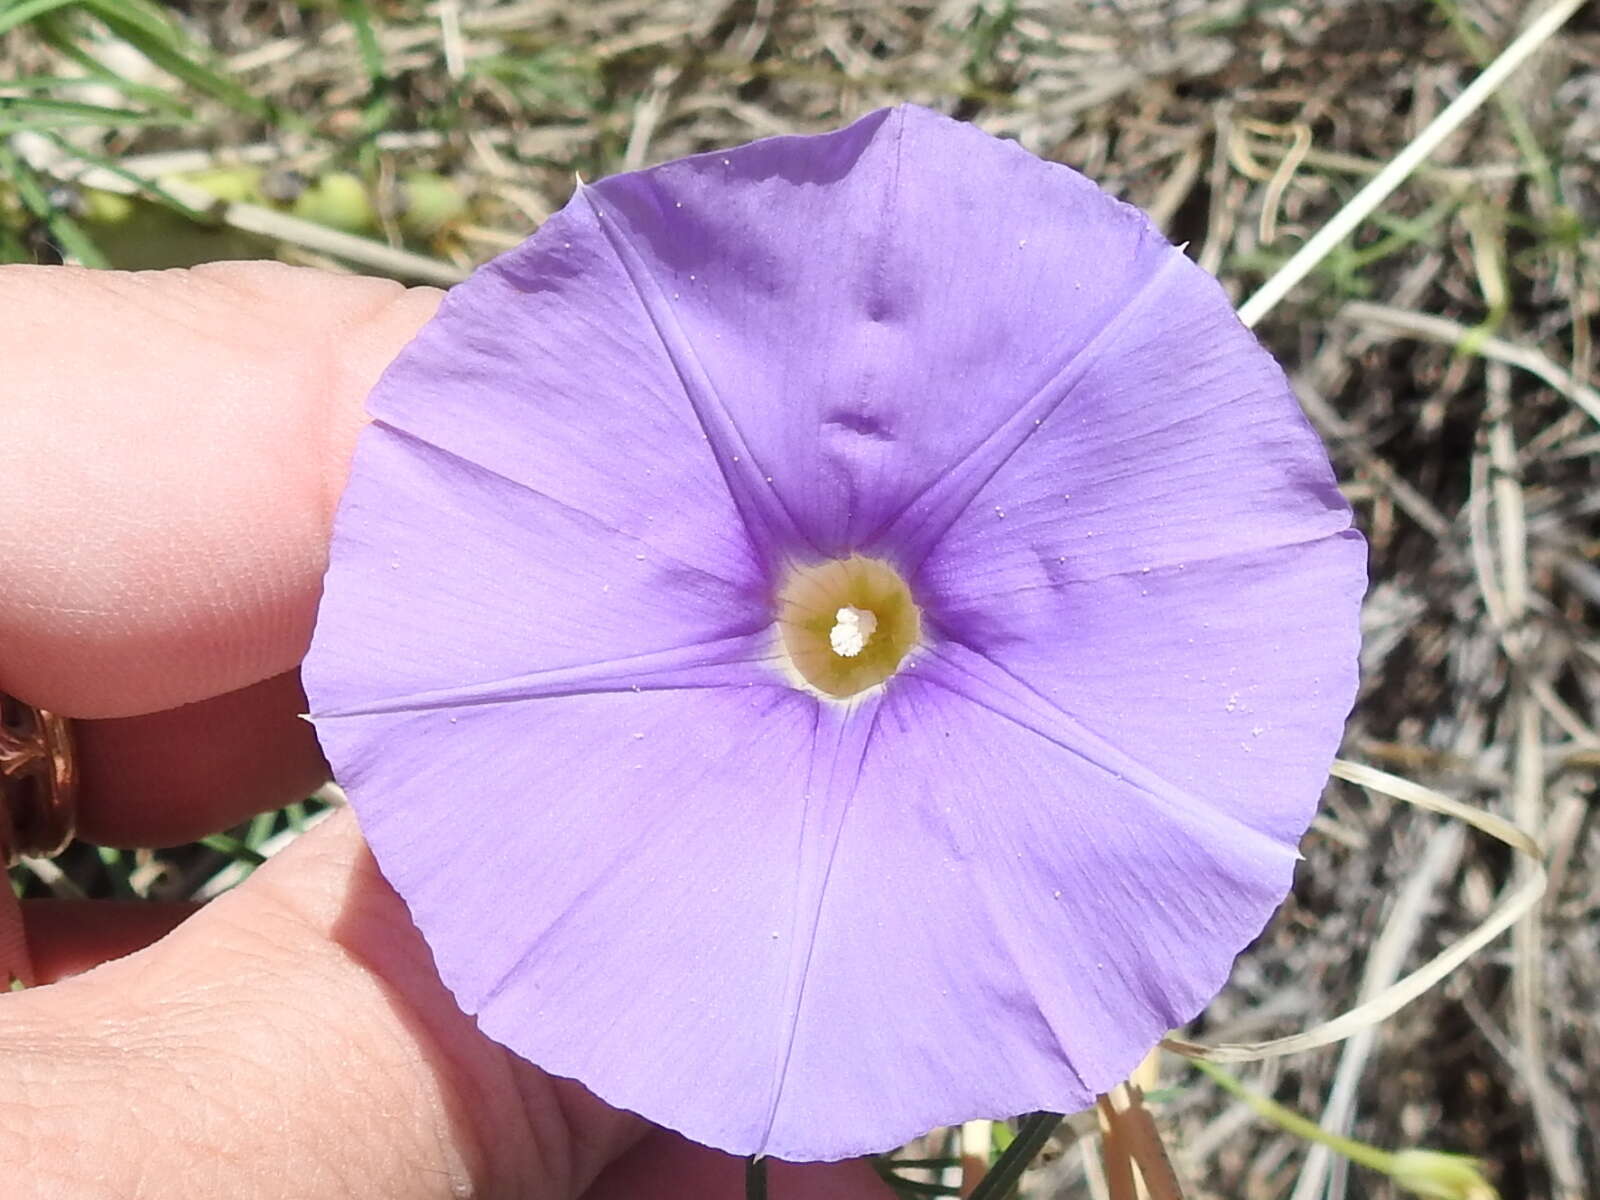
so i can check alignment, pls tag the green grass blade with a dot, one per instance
(118, 865)
(355, 11)
(32, 113)
(755, 1178)
(68, 234)
(261, 827)
(56, 30)
(1007, 1170)
(916, 1187)
(147, 187)
(56, 83)
(20, 12)
(235, 849)
(377, 110)
(164, 45)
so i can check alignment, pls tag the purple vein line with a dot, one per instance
(721, 662)
(980, 679)
(760, 506)
(432, 450)
(839, 748)
(923, 521)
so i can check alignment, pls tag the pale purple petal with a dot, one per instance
(626, 891)
(1167, 558)
(449, 581)
(1014, 916)
(871, 304)
(547, 372)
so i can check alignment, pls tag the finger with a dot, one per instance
(665, 1166)
(16, 964)
(175, 444)
(174, 776)
(68, 937)
(297, 1020)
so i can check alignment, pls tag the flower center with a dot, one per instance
(847, 624)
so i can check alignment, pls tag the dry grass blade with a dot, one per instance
(1512, 906)
(1398, 322)
(1396, 171)
(1118, 1158)
(1385, 961)
(1135, 1159)
(1527, 791)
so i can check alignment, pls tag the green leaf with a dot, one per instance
(20, 12)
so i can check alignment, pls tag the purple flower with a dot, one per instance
(836, 637)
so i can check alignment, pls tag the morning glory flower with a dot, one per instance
(836, 637)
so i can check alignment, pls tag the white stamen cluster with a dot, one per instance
(853, 628)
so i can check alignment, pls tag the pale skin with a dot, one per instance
(173, 448)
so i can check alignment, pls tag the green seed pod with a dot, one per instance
(428, 203)
(1440, 1176)
(232, 184)
(338, 200)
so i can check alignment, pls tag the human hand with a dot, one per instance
(174, 447)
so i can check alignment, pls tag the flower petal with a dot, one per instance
(545, 370)
(870, 305)
(1010, 924)
(450, 582)
(1167, 558)
(637, 909)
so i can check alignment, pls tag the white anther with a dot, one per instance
(853, 628)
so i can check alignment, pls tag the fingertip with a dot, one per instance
(176, 444)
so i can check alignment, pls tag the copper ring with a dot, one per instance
(38, 782)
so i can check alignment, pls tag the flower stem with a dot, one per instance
(1008, 1168)
(755, 1178)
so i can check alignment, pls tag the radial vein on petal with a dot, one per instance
(981, 680)
(694, 666)
(1157, 565)
(428, 449)
(1026, 962)
(761, 507)
(917, 527)
(839, 749)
